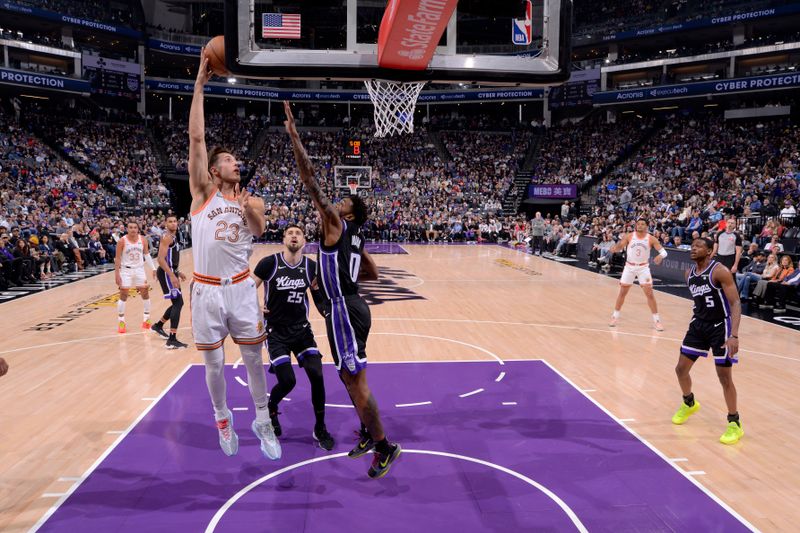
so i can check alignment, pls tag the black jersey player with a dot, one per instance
(287, 276)
(714, 326)
(342, 262)
(169, 256)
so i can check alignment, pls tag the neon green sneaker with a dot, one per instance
(732, 434)
(683, 414)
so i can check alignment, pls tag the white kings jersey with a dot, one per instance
(132, 253)
(638, 250)
(221, 241)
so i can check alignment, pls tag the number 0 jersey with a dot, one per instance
(339, 264)
(221, 241)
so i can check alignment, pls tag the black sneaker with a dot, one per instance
(174, 344)
(158, 328)
(382, 463)
(276, 425)
(364, 446)
(323, 438)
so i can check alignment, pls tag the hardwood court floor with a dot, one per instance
(75, 385)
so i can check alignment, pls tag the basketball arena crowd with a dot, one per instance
(70, 179)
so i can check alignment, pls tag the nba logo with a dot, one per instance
(521, 28)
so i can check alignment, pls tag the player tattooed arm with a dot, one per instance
(331, 223)
(368, 270)
(200, 183)
(722, 277)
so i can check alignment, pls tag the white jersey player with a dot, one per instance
(637, 266)
(132, 254)
(224, 298)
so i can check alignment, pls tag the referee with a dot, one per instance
(728, 246)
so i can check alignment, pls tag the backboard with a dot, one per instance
(486, 41)
(344, 175)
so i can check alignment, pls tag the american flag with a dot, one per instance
(280, 26)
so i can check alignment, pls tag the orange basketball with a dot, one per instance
(215, 52)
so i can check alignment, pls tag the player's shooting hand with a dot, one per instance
(174, 279)
(203, 72)
(291, 129)
(732, 344)
(182, 276)
(658, 260)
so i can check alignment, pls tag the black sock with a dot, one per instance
(320, 419)
(364, 429)
(734, 418)
(173, 336)
(689, 399)
(383, 447)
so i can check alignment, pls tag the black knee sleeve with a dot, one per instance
(313, 368)
(286, 382)
(175, 313)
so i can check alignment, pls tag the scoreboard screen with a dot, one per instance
(573, 94)
(112, 77)
(353, 149)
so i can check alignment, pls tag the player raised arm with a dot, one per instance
(331, 223)
(368, 270)
(722, 277)
(200, 183)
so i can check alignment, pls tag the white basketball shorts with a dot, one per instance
(132, 277)
(228, 308)
(631, 273)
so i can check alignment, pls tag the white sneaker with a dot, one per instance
(613, 322)
(270, 446)
(228, 439)
(658, 326)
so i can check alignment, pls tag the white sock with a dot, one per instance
(121, 310)
(256, 377)
(262, 414)
(615, 314)
(215, 381)
(146, 308)
(656, 318)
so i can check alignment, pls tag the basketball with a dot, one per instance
(215, 52)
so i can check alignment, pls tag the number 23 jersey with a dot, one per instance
(221, 241)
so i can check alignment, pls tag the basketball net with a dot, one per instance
(353, 186)
(394, 103)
